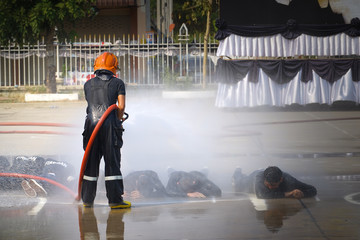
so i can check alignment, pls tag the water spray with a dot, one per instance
(90, 143)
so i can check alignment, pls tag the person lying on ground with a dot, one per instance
(59, 171)
(20, 165)
(191, 184)
(272, 183)
(144, 184)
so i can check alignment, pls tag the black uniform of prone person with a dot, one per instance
(272, 183)
(101, 92)
(192, 184)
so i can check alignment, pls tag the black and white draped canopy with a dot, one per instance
(280, 65)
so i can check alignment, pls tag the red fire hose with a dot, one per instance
(89, 145)
(38, 124)
(18, 175)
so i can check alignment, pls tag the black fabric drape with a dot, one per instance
(283, 71)
(233, 71)
(331, 70)
(290, 30)
(355, 70)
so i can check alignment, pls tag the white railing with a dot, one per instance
(22, 66)
(141, 63)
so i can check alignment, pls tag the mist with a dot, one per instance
(188, 134)
(168, 133)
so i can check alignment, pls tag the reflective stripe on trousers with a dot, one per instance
(107, 178)
(110, 178)
(93, 179)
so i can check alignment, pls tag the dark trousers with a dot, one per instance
(107, 144)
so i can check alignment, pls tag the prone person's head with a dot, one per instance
(189, 183)
(273, 177)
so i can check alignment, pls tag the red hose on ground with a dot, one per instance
(41, 124)
(32, 132)
(89, 145)
(19, 175)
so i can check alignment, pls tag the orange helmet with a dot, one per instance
(106, 61)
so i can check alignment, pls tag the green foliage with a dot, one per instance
(29, 20)
(153, 10)
(169, 79)
(193, 14)
(173, 81)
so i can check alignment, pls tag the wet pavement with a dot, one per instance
(240, 217)
(190, 134)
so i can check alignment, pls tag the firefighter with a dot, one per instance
(101, 92)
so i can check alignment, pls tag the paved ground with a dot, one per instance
(191, 134)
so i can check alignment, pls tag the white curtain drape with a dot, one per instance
(278, 46)
(269, 93)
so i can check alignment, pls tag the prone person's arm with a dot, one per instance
(306, 189)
